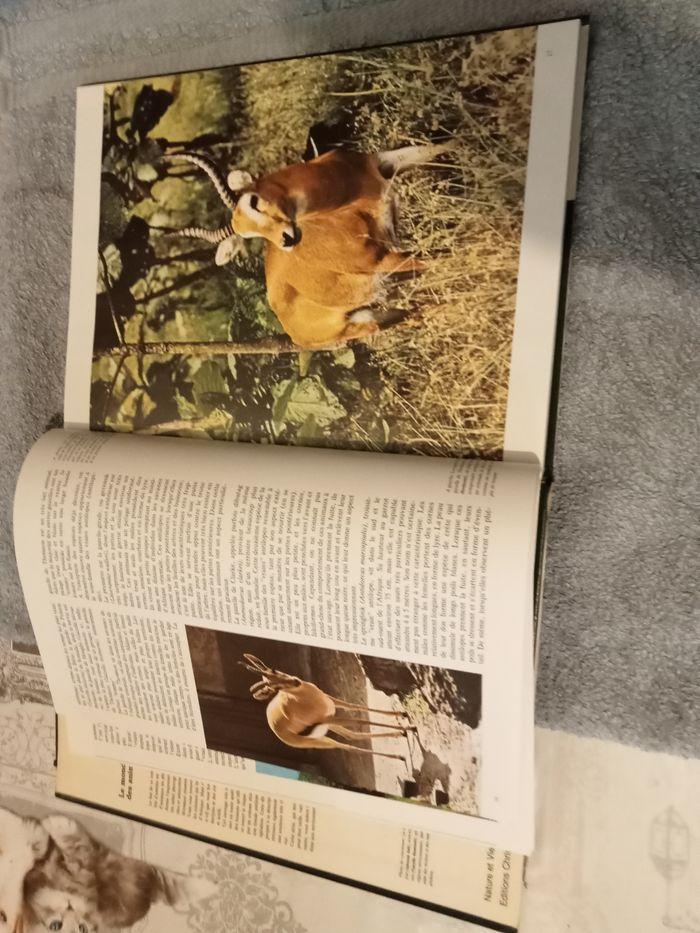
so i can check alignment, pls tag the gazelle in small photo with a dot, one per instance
(301, 714)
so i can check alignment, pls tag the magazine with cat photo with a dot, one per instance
(314, 643)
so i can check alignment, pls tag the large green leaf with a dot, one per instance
(136, 404)
(208, 385)
(344, 357)
(282, 393)
(144, 171)
(113, 262)
(310, 432)
(185, 408)
(296, 400)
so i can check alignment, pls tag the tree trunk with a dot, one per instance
(281, 344)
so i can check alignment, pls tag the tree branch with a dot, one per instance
(180, 283)
(110, 391)
(281, 344)
(195, 255)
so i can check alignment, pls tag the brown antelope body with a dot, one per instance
(330, 229)
(301, 714)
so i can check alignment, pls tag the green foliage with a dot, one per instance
(305, 401)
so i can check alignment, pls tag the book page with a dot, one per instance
(171, 582)
(444, 871)
(356, 250)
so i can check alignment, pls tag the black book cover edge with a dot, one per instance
(548, 470)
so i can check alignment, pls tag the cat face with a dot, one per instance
(61, 913)
(78, 873)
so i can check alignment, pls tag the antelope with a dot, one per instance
(301, 715)
(329, 226)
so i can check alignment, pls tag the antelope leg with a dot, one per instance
(359, 722)
(396, 263)
(343, 704)
(397, 160)
(327, 742)
(353, 734)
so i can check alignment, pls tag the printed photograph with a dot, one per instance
(352, 721)
(55, 874)
(319, 251)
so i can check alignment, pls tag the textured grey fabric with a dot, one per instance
(619, 653)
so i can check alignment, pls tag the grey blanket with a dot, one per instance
(619, 653)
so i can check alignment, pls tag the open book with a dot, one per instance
(309, 647)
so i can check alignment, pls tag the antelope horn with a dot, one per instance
(212, 171)
(257, 663)
(263, 691)
(270, 676)
(254, 664)
(211, 236)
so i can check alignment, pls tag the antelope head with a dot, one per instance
(228, 243)
(257, 216)
(272, 681)
(252, 215)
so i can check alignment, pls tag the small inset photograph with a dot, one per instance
(346, 720)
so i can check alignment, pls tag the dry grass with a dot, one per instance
(449, 373)
(282, 101)
(446, 377)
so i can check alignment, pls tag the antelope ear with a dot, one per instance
(227, 250)
(237, 179)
